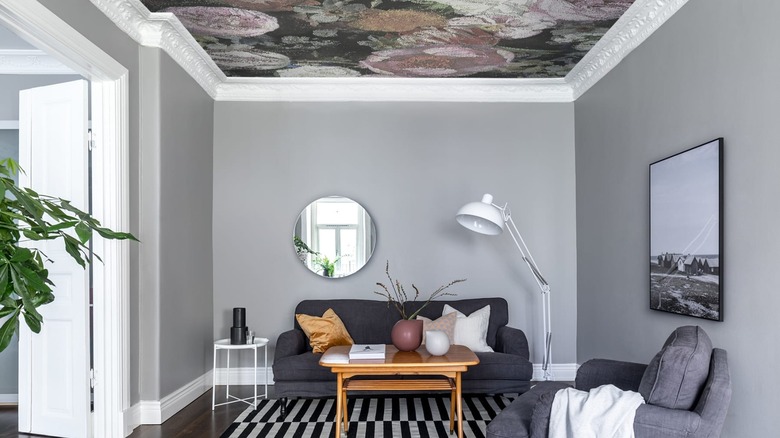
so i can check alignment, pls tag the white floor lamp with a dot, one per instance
(485, 217)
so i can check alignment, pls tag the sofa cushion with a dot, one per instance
(304, 366)
(471, 330)
(325, 331)
(676, 375)
(446, 324)
(499, 366)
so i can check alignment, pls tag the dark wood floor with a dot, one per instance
(196, 420)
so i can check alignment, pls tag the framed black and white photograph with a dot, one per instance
(686, 232)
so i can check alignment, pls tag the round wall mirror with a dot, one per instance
(334, 237)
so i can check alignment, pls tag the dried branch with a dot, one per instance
(398, 297)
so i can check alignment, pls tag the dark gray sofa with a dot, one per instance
(297, 372)
(686, 387)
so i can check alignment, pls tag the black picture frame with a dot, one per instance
(686, 232)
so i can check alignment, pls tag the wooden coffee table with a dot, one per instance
(441, 373)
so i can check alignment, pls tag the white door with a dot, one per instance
(54, 364)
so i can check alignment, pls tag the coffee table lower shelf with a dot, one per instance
(431, 373)
(439, 383)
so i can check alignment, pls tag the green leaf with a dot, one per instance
(34, 280)
(7, 310)
(62, 225)
(109, 234)
(33, 235)
(3, 280)
(8, 329)
(72, 247)
(84, 232)
(33, 322)
(21, 255)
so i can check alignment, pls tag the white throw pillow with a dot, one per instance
(471, 330)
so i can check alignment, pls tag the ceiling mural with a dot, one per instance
(396, 38)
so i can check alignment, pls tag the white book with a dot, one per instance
(367, 351)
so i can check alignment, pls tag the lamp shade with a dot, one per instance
(482, 217)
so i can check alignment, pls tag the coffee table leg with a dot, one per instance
(452, 411)
(345, 414)
(460, 405)
(339, 410)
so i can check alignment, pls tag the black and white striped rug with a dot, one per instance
(399, 416)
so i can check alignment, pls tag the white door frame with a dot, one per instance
(110, 194)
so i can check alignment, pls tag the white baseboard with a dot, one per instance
(565, 372)
(156, 412)
(243, 376)
(9, 399)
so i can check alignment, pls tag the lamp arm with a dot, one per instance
(526, 254)
(541, 282)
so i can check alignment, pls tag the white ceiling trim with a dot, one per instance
(31, 62)
(631, 29)
(164, 30)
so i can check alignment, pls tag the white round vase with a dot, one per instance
(437, 342)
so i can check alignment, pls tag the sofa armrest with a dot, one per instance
(654, 421)
(290, 343)
(540, 418)
(597, 372)
(512, 341)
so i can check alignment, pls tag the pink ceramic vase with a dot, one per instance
(407, 334)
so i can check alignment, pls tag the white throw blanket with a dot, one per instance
(604, 412)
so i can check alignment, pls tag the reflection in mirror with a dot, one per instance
(334, 236)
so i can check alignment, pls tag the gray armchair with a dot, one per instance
(686, 387)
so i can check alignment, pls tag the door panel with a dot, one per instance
(54, 364)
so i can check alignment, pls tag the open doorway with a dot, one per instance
(109, 101)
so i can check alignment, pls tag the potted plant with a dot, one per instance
(27, 216)
(327, 266)
(407, 333)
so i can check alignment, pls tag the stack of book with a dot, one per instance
(367, 351)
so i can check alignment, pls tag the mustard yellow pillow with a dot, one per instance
(324, 332)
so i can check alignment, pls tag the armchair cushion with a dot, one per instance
(597, 372)
(676, 375)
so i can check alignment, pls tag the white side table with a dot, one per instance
(224, 344)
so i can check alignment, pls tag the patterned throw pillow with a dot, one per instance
(471, 330)
(324, 332)
(446, 324)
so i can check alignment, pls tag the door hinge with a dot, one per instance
(92, 378)
(90, 141)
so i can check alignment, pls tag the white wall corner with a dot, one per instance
(244, 376)
(157, 411)
(561, 372)
(9, 399)
(633, 27)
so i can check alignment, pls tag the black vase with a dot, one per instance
(238, 331)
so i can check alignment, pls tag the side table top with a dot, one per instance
(225, 344)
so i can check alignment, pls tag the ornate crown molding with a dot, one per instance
(22, 62)
(164, 30)
(636, 24)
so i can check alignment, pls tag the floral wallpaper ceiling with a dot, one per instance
(396, 38)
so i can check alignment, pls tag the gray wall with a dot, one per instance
(412, 166)
(710, 71)
(9, 148)
(186, 322)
